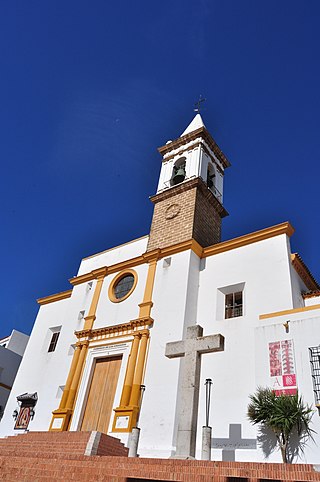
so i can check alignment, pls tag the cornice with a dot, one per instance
(196, 182)
(115, 330)
(198, 143)
(56, 297)
(153, 255)
(191, 244)
(304, 272)
(283, 228)
(311, 294)
(204, 133)
(172, 191)
(289, 312)
(180, 247)
(83, 278)
(102, 272)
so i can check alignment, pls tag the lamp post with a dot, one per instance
(207, 430)
(208, 385)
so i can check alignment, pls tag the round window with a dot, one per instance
(122, 285)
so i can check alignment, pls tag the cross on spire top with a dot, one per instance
(197, 105)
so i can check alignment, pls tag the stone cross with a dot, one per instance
(233, 443)
(191, 349)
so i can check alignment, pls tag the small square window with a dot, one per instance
(233, 305)
(54, 341)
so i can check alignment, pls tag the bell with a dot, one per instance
(179, 176)
(210, 178)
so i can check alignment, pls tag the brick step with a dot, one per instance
(187, 466)
(48, 455)
(42, 456)
(45, 445)
(97, 475)
(94, 474)
(55, 443)
(184, 465)
(156, 470)
(33, 439)
(51, 434)
(120, 449)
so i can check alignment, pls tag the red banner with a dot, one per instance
(282, 367)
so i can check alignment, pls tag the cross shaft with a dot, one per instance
(191, 350)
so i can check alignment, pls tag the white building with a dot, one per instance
(12, 348)
(93, 347)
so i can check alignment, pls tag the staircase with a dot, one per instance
(49, 456)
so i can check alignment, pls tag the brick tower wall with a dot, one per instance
(172, 220)
(189, 210)
(207, 219)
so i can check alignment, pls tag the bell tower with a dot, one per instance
(188, 202)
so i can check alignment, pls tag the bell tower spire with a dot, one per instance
(188, 202)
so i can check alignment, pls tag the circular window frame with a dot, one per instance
(116, 280)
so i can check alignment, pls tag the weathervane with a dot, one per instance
(197, 105)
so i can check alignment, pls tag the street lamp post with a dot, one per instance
(207, 430)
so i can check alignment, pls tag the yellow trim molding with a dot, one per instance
(289, 312)
(303, 271)
(131, 391)
(76, 280)
(117, 279)
(61, 417)
(56, 297)
(147, 303)
(115, 331)
(91, 316)
(283, 228)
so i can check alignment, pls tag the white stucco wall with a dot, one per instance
(114, 255)
(175, 293)
(43, 372)
(264, 270)
(186, 291)
(304, 330)
(109, 313)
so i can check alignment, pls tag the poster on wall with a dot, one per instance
(282, 367)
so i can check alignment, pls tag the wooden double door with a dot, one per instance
(101, 394)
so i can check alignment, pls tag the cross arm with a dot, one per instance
(175, 349)
(208, 344)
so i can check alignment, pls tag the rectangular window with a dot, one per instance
(314, 353)
(233, 305)
(54, 341)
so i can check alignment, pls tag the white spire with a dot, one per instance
(195, 124)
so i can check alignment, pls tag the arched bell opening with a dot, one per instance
(210, 176)
(178, 172)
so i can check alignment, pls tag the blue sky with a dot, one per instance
(89, 90)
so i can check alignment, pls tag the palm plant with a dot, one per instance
(283, 414)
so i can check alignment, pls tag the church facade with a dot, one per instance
(98, 356)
